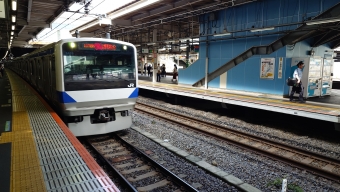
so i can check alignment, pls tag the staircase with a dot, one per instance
(301, 33)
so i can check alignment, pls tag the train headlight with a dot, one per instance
(72, 45)
(124, 47)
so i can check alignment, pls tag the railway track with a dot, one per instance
(297, 157)
(135, 168)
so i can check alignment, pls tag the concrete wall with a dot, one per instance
(239, 20)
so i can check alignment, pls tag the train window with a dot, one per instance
(100, 65)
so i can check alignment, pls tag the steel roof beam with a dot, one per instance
(163, 10)
(121, 22)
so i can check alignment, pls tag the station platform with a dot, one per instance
(38, 152)
(326, 108)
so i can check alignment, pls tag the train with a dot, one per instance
(92, 82)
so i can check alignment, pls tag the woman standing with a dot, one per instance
(175, 73)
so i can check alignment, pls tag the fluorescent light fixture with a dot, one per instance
(118, 13)
(131, 8)
(11, 37)
(14, 5)
(105, 21)
(13, 27)
(86, 26)
(151, 43)
(12, 33)
(14, 18)
(322, 21)
(137, 45)
(262, 29)
(222, 34)
(184, 39)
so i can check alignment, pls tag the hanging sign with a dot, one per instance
(2, 9)
(279, 73)
(267, 68)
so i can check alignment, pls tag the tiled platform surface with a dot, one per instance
(45, 156)
(315, 109)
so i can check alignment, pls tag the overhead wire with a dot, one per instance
(66, 19)
(75, 19)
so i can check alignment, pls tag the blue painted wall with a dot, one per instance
(239, 20)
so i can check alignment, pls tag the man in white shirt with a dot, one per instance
(298, 87)
(158, 73)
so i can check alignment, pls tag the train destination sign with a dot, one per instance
(99, 46)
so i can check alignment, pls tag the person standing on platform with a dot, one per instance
(145, 66)
(149, 70)
(163, 71)
(298, 87)
(159, 70)
(174, 73)
(2, 70)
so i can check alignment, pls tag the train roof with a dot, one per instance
(46, 47)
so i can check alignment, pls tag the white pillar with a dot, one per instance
(206, 73)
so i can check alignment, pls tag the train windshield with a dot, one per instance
(98, 65)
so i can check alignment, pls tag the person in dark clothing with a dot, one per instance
(145, 66)
(149, 70)
(158, 73)
(174, 73)
(163, 71)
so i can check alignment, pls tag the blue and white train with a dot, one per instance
(92, 81)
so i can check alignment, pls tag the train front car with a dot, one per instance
(98, 84)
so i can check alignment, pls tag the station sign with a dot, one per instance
(2, 9)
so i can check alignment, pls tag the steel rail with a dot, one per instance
(244, 139)
(111, 167)
(184, 185)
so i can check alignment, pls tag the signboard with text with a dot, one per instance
(267, 68)
(2, 9)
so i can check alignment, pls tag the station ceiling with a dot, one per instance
(172, 20)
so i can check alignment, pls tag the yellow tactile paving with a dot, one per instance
(26, 174)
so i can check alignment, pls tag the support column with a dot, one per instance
(145, 61)
(154, 55)
(187, 54)
(206, 64)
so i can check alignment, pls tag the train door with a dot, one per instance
(52, 80)
(48, 79)
(32, 76)
(27, 65)
(38, 76)
(45, 77)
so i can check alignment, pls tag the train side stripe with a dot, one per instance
(134, 94)
(65, 98)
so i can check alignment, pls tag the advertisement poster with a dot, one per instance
(267, 68)
(279, 73)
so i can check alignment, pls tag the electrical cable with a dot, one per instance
(74, 20)
(64, 21)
